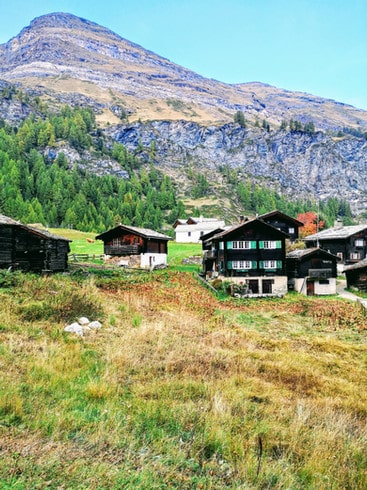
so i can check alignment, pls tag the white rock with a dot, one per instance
(83, 320)
(74, 328)
(95, 324)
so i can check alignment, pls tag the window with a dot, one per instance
(189, 233)
(355, 256)
(241, 244)
(270, 244)
(291, 230)
(116, 242)
(270, 264)
(359, 242)
(242, 264)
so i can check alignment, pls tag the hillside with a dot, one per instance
(178, 389)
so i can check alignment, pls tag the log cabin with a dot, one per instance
(283, 222)
(312, 271)
(137, 247)
(28, 248)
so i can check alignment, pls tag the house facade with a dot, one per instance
(251, 254)
(348, 243)
(192, 229)
(312, 271)
(283, 222)
(137, 247)
(356, 275)
(28, 248)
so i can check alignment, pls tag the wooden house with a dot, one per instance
(31, 249)
(283, 222)
(251, 254)
(356, 275)
(312, 271)
(348, 243)
(192, 229)
(137, 247)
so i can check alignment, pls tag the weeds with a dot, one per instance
(178, 389)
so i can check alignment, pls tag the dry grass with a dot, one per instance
(181, 390)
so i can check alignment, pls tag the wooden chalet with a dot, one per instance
(312, 271)
(28, 248)
(137, 247)
(356, 275)
(348, 243)
(251, 254)
(283, 222)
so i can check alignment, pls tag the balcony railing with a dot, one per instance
(122, 249)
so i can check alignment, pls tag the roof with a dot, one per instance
(144, 232)
(192, 221)
(283, 216)
(336, 233)
(245, 224)
(5, 220)
(205, 226)
(300, 253)
(359, 265)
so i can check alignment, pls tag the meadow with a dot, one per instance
(179, 389)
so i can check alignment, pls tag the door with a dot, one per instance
(310, 288)
(267, 286)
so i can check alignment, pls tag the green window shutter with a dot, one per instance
(278, 244)
(279, 264)
(254, 264)
(261, 244)
(261, 264)
(229, 245)
(253, 244)
(229, 264)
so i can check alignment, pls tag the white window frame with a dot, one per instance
(241, 264)
(241, 244)
(291, 229)
(359, 242)
(355, 256)
(270, 244)
(270, 264)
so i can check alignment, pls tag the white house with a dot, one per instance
(191, 229)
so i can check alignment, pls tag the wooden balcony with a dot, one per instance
(122, 249)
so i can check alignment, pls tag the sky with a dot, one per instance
(313, 46)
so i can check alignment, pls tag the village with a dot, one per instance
(259, 257)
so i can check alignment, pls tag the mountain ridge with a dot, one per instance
(58, 48)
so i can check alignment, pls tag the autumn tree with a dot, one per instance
(311, 223)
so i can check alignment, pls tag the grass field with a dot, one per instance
(178, 389)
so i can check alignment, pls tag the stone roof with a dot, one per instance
(359, 265)
(300, 253)
(144, 232)
(5, 220)
(334, 233)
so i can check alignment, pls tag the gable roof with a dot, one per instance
(301, 253)
(336, 233)
(359, 265)
(275, 213)
(192, 221)
(143, 232)
(247, 224)
(5, 220)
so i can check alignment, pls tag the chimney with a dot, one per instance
(242, 219)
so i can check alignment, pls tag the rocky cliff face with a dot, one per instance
(296, 164)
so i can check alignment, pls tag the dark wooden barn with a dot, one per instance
(356, 275)
(31, 249)
(312, 271)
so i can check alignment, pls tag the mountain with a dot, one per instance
(141, 99)
(63, 56)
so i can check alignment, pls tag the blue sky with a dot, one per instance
(313, 46)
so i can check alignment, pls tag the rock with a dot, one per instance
(83, 320)
(95, 324)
